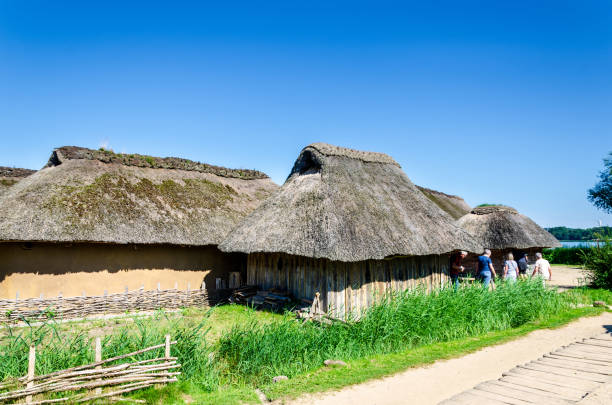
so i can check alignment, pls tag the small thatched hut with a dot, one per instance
(350, 225)
(9, 176)
(502, 229)
(454, 205)
(95, 221)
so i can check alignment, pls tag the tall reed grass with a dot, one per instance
(56, 350)
(254, 353)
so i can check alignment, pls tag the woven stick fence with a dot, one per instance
(79, 307)
(121, 378)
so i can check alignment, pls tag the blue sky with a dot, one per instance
(499, 102)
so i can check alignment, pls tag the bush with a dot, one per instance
(565, 255)
(254, 353)
(598, 263)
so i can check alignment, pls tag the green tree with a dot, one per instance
(601, 194)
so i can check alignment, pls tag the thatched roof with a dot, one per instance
(82, 196)
(454, 205)
(347, 205)
(108, 156)
(9, 176)
(501, 227)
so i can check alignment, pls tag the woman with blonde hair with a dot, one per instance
(511, 269)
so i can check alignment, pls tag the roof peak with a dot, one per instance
(65, 153)
(490, 209)
(370, 157)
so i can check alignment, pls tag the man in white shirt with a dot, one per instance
(542, 268)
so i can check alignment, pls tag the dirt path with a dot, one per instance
(566, 277)
(443, 379)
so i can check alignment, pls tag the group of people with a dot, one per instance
(513, 270)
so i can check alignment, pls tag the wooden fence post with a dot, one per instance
(98, 358)
(167, 346)
(31, 367)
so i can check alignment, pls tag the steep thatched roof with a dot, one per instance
(80, 196)
(9, 176)
(501, 227)
(347, 205)
(454, 205)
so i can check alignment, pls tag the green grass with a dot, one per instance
(228, 351)
(254, 353)
(378, 366)
(587, 296)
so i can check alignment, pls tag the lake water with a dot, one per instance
(577, 243)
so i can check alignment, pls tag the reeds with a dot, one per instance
(252, 352)
(57, 350)
(255, 353)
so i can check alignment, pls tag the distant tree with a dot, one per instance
(601, 194)
(564, 233)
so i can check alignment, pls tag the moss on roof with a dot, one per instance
(90, 200)
(173, 163)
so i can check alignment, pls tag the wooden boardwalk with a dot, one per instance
(565, 376)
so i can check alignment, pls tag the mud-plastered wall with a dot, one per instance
(32, 269)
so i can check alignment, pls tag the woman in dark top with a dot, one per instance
(485, 268)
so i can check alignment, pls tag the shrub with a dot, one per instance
(598, 263)
(565, 255)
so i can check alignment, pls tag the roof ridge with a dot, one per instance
(65, 153)
(490, 209)
(370, 157)
(6, 171)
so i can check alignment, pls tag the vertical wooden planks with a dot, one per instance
(341, 286)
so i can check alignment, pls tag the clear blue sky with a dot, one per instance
(499, 102)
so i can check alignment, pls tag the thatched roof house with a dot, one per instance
(502, 229)
(95, 199)
(342, 213)
(9, 176)
(454, 205)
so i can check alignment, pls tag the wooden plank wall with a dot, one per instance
(346, 288)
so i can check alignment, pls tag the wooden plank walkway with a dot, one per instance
(565, 376)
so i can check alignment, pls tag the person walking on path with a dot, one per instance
(523, 265)
(542, 268)
(485, 268)
(511, 268)
(456, 267)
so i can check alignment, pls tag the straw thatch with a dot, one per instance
(100, 196)
(349, 206)
(501, 227)
(454, 205)
(9, 176)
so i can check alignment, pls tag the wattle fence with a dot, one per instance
(84, 306)
(87, 382)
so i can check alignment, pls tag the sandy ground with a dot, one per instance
(565, 277)
(443, 379)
